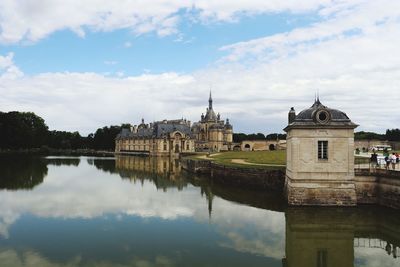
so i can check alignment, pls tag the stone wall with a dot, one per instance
(251, 178)
(378, 187)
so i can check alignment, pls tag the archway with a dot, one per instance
(247, 147)
(271, 147)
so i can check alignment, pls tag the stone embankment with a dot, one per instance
(373, 186)
(378, 186)
(251, 178)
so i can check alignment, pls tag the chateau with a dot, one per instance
(162, 138)
(212, 133)
(171, 137)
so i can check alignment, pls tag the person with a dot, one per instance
(393, 159)
(387, 161)
(374, 160)
(388, 248)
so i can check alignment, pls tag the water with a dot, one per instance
(134, 211)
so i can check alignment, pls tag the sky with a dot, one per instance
(82, 65)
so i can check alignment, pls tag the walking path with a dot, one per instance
(242, 161)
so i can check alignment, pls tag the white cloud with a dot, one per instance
(8, 70)
(127, 44)
(349, 56)
(31, 20)
(111, 62)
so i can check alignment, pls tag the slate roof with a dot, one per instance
(210, 115)
(307, 118)
(159, 130)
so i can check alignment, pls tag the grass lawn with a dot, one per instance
(277, 157)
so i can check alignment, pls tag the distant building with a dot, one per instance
(212, 133)
(162, 138)
(262, 145)
(320, 157)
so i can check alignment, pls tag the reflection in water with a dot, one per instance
(21, 172)
(164, 172)
(84, 214)
(329, 236)
(59, 161)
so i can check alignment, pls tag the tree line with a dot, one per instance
(390, 135)
(26, 130)
(240, 137)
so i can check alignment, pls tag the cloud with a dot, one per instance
(30, 20)
(8, 70)
(127, 44)
(349, 56)
(111, 62)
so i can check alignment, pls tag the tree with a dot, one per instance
(369, 136)
(22, 130)
(393, 134)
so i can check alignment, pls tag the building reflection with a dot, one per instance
(326, 237)
(164, 172)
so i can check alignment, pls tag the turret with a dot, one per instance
(210, 102)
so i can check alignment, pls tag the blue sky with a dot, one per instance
(195, 47)
(83, 65)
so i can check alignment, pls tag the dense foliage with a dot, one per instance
(22, 130)
(239, 137)
(369, 136)
(393, 134)
(25, 130)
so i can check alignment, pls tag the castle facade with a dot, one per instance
(162, 138)
(172, 137)
(212, 133)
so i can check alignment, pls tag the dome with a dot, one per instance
(319, 115)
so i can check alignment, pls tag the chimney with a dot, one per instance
(292, 115)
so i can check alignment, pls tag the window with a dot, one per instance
(322, 149)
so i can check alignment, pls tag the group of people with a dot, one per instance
(390, 160)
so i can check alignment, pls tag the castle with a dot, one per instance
(212, 133)
(172, 137)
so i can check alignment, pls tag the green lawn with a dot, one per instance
(261, 157)
(258, 157)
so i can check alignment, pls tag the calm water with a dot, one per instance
(134, 211)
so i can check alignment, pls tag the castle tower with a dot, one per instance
(320, 157)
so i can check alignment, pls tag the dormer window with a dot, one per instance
(323, 116)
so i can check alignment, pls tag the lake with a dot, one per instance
(138, 211)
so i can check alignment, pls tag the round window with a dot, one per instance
(323, 116)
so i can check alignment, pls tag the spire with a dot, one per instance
(210, 101)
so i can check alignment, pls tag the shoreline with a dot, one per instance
(58, 152)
